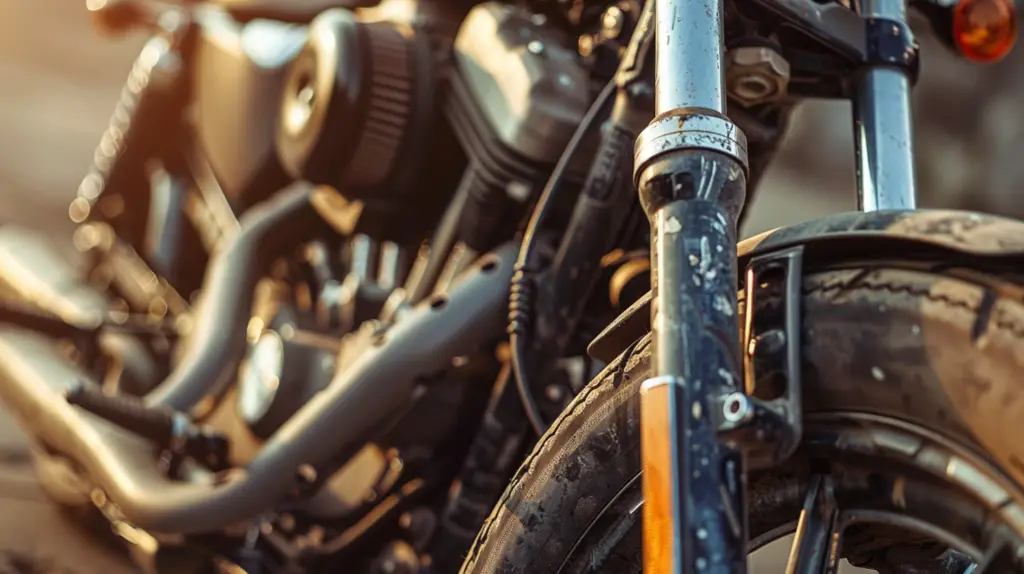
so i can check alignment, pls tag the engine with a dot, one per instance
(403, 120)
(516, 94)
(400, 119)
(358, 117)
(451, 129)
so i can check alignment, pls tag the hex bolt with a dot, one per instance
(756, 74)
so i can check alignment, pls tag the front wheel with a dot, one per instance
(914, 405)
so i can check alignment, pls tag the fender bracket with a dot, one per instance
(953, 237)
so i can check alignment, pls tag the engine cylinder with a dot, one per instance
(518, 92)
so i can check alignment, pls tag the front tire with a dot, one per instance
(939, 350)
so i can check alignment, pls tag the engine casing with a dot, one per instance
(517, 93)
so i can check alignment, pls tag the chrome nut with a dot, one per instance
(756, 75)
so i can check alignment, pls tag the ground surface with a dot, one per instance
(58, 84)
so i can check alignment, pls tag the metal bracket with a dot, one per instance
(891, 43)
(764, 421)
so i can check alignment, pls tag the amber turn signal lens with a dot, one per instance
(984, 30)
(656, 459)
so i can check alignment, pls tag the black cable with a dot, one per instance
(521, 296)
(544, 203)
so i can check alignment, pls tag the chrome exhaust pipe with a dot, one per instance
(217, 340)
(381, 379)
(35, 272)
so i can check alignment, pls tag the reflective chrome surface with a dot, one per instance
(690, 131)
(261, 378)
(689, 43)
(389, 274)
(883, 129)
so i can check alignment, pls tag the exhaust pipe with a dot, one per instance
(33, 269)
(33, 378)
(217, 342)
(36, 273)
(52, 298)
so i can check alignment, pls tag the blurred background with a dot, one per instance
(59, 82)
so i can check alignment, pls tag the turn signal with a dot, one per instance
(984, 30)
(656, 460)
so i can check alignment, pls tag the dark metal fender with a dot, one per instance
(923, 235)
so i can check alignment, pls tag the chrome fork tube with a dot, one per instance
(691, 168)
(883, 126)
(688, 55)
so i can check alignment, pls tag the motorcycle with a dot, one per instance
(369, 289)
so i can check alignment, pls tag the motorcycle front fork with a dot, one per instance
(701, 427)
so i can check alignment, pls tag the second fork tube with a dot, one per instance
(883, 126)
(691, 176)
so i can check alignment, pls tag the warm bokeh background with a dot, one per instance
(59, 82)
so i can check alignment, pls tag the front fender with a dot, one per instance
(922, 235)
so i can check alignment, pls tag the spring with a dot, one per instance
(520, 301)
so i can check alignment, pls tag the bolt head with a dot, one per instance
(756, 74)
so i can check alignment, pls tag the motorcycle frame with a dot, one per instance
(701, 426)
(150, 163)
